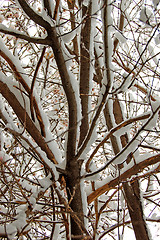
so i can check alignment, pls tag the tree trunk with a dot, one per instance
(74, 166)
(74, 196)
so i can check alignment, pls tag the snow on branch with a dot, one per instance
(42, 20)
(129, 173)
(131, 146)
(15, 65)
(18, 34)
(25, 119)
(107, 80)
(112, 131)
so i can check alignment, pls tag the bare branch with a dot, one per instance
(107, 84)
(125, 148)
(56, 9)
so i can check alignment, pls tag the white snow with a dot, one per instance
(45, 182)
(152, 52)
(4, 157)
(145, 15)
(86, 2)
(120, 37)
(122, 131)
(48, 162)
(32, 201)
(11, 231)
(1, 18)
(21, 221)
(155, 3)
(84, 202)
(27, 186)
(52, 6)
(1, 140)
(46, 17)
(157, 39)
(68, 36)
(56, 234)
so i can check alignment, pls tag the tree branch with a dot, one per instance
(127, 174)
(108, 84)
(33, 82)
(18, 34)
(20, 79)
(124, 148)
(22, 115)
(56, 9)
(112, 131)
(47, 6)
(33, 15)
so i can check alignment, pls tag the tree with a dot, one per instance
(79, 119)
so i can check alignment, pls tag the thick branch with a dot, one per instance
(33, 15)
(17, 34)
(19, 78)
(108, 84)
(72, 166)
(85, 73)
(69, 91)
(23, 116)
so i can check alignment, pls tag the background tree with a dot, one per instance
(79, 119)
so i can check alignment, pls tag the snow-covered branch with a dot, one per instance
(124, 175)
(18, 34)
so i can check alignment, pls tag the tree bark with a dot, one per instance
(132, 194)
(74, 196)
(132, 191)
(85, 73)
(72, 165)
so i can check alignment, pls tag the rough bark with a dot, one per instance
(132, 194)
(74, 195)
(85, 73)
(72, 168)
